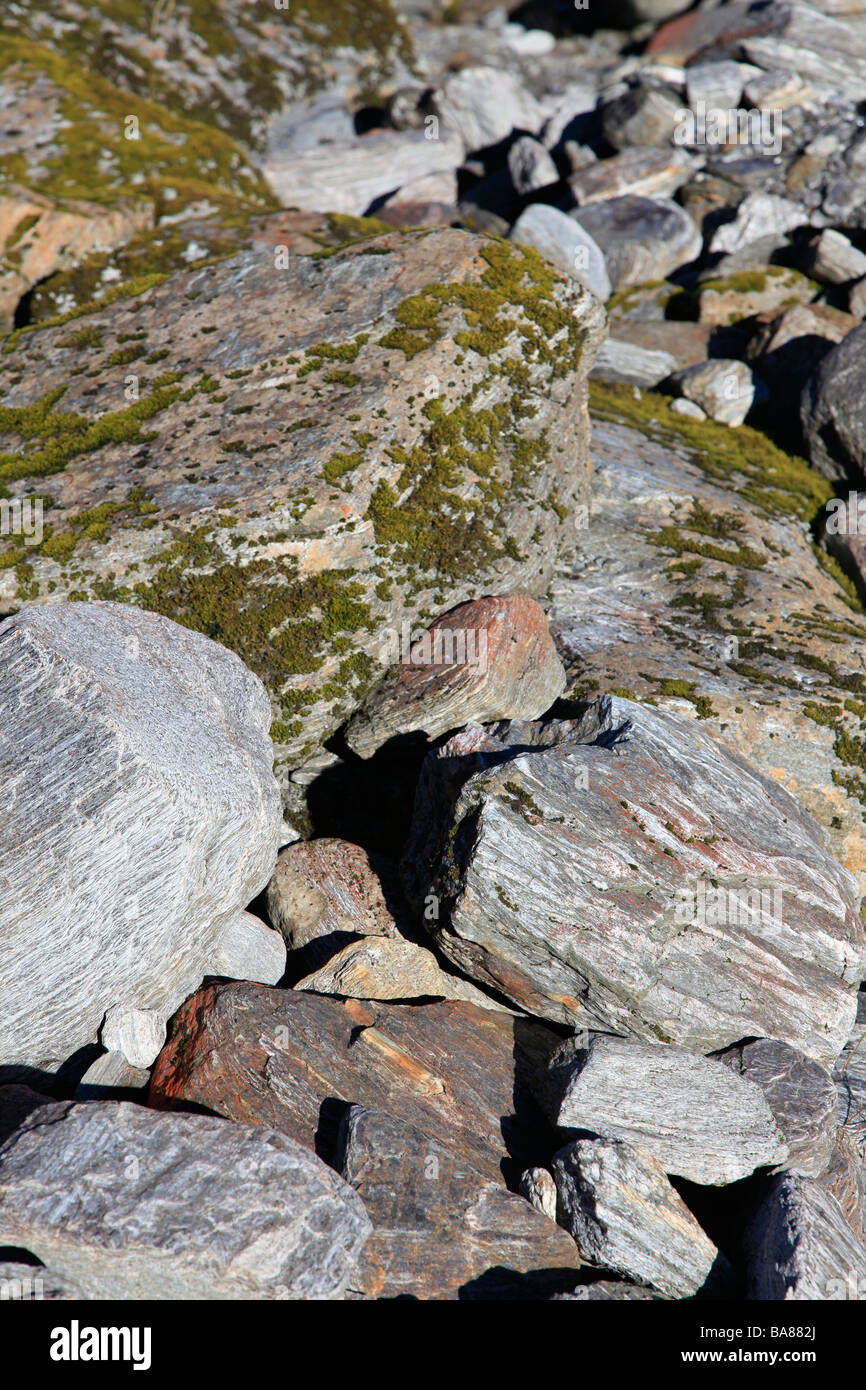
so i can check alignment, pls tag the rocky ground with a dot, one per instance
(433, 650)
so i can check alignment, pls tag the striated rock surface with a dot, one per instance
(142, 815)
(132, 1204)
(325, 893)
(440, 1230)
(801, 1095)
(299, 483)
(380, 967)
(648, 881)
(490, 659)
(799, 1246)
(687, 1112)
(625, 1216)
(291, 1061)
(832, 411)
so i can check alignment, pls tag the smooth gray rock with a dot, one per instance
(690, 1113)
(250, 950)
(719, 85)
(621, 361)
(642, 238)
(142, 814)
(565, 243)
(641, 116)
(724, 388)
(350, 175)
(530, 165)
(759, 215)
(643, 171)
(625, 1216)
(799, 1246)
(637, 877)
(138, 1034)
(833, 410)
(484, 105)
(132, 1203)
(801, 1095)
(834, 261)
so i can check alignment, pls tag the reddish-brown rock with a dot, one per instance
(287, 1059)
(492, 658)
(331, 891)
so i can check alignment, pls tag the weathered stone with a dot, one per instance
(328, 892)
(759, 215)
(349, 177)
(833, 411)
(483, 660)
(686, 343)
(530, 166)
(129, 1203)
(845, 1180)
(27, 1283)
(643, 238)
(484, 105)
(249, 950)
(380, 967)
(849, 1074)
(275, 1057)
(799, 1245)
(112, 1077)
(251, 506)
(599, 881)
(833, 260)
(440, 1229)
(678, 1107)
(643, 115)
(638, 173)
(738, 295)
(538, 1187)
(789, 347)
(723, 388)
(148, 817)
(625, 1216)
(801, 1095)
(621, 361)
(138, 1034)
(719, 85)
(716, 630)
(564, 243)
(691, 409)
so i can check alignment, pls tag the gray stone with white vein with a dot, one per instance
(801, 1095)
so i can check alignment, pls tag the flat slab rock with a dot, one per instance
(382, 967)
(800, 1093)
(293, 1061)
(489, 659)
(440, 1229)
(666, 616)
(625, 1216)
(598, 883)
(263, 491)
(141, 815)
(799, 1246)
(690, 1113)
(133, 1204)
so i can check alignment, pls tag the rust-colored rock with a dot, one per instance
(329, 891)
(292, 1061)
(488, 659)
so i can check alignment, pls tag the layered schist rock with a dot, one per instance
(405, 426)
(141, 815)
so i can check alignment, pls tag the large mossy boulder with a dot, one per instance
(296, 455)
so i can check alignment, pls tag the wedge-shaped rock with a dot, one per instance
(381, 967)
(625, 1216)
(140, 815)
(649, 882)
(489, 659)
(129, 1203)
(690, 1113)
(801, 1095)
(440, 1229)
(292, 1061)
(799, 1246)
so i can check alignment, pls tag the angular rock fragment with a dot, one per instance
(801, 1095)
(564, 243)
(112, 1077)
(137, 777)
(530, 166)
(380, 967)
(625, 1216)
(638, 173)
(647, 881)
(440, 1229)
(833, 411)
(642, 115)
(350, 176)
(759, 215)
(799, 1246)
(129, 1203)
(723, 388)
(249, 950)
(621, 361)
(483, 660)
(643, 238)
(538, 1187)
(833, 260)
(686, 1111)
(138, 1034)
(291, 1061)
(484, 105)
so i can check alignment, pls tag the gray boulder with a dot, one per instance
(833, 410)
(565, 243)
(130, 1203)
(799, 1246)
(686, 1111)
(142, 814)
(643, 238)
(801, 1095)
